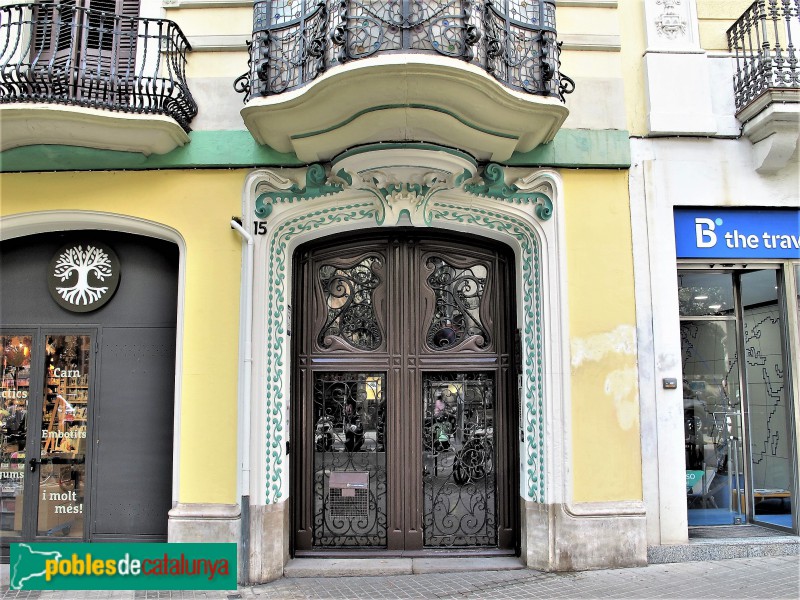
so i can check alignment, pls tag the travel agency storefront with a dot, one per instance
(717, 304)
(738, 300)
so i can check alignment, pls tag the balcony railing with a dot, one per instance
(60, 53)
(765, 44)
(513, 40)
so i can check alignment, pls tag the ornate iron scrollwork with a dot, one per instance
(349, 459)
(521, 46)
(369, 27)
(351, 314)
(458, 293)
(514, 40)
(459, 481)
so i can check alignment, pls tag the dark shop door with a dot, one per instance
(86, 440)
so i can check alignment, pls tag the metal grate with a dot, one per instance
(348, 507)
(459, 479)
(349, 295)
(349, 455)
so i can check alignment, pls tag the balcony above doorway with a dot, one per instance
(764, 42)
(479, 75)
(77, 76)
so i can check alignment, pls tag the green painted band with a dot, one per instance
(206, 149)
(575, 148)
(579, 148)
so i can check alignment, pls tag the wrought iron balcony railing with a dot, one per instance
(764, 41)
(294, 41)
(66, 54)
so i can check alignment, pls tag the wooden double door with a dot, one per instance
(405, 408)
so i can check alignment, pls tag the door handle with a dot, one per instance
(33, 462)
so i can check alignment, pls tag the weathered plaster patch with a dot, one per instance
(621, 340)
(666, 361)
(621, 385)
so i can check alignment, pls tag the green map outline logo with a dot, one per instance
(14, 582)
(116, 566)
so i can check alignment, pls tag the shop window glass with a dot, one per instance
(712, 421)
(705, 294)
(16, 370)
(734, 375)
(767, 410)
(62, 473)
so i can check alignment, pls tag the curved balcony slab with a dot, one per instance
(26, 124)
(404, 97)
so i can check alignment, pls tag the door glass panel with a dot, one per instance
(458, 460)
(768, 414)
(712, 421)
(15, 388)
(350, 305)
(62, 473)
(349, 459)
(457, 315)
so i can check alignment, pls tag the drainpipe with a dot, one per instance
(244, 396)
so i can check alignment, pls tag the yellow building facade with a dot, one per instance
(389, 304)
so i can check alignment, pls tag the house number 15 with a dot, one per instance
(259, 227)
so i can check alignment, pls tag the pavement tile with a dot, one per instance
(753, 577)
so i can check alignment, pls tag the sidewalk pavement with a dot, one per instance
(764, 578)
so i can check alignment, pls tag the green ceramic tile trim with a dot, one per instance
(220, 149)
(587, 148)
(580, 148)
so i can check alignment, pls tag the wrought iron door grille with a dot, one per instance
(459, 479)
(514, 40)
(349, 413)
(764, 41)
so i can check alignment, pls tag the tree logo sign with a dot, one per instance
(82, 277)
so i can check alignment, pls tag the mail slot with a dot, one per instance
(348, 482)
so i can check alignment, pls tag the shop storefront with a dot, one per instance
(88, 371)
(737, 291)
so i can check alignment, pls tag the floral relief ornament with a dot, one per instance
(669, 24)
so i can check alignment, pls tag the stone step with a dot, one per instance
(721, 549)
(375, 567)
